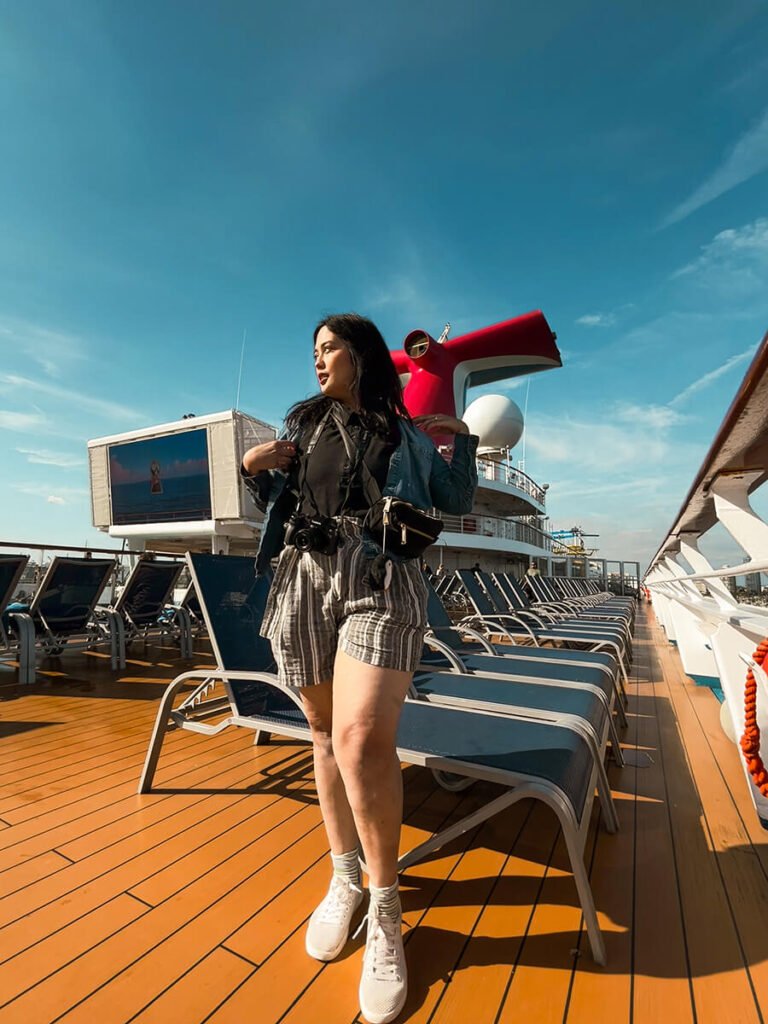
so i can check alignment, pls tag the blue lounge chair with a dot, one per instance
(465, 640)
(144, 599)
(594, 674)
(550, 762)
(549, 598)
(62, 614)
(17, 645)
(563, 617)
(515, 599)
(490, 617)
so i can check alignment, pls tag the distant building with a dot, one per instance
(752, 583)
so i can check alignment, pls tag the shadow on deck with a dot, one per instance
(189, 904)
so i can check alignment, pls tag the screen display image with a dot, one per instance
(161, 479)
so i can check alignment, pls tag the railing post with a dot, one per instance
(731, 494)
(693, 629)
(689, 549)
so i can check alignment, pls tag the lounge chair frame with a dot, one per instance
(495, 623)
(178, 625)
(24, 646)
(39, 635)
(520, 785)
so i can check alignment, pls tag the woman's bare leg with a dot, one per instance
(337, 814)
(367, 702)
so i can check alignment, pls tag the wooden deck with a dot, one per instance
(189, 904)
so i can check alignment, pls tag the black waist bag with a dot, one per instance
(401, 528)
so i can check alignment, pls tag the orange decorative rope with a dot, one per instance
(750, 741)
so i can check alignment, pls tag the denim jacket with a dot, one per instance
(417, 473)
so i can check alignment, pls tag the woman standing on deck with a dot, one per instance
(347, 623)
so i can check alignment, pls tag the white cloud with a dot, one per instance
(47, 348)
(709, 378)
(399, 291)
(627, 435)
(62, 495)
(43, 457)
(593, 489)
(734, 263)
(407, 297)
(748, 157)
(597, 320)
(603, 446)
(73, 399)
(658, 417)
(22, 422)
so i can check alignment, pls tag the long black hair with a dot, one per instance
(376, 383)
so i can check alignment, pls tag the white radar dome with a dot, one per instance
(496, 420)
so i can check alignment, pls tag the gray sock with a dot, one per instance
(387, 899)
(347, 866)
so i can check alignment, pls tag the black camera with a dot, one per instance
(320, 535)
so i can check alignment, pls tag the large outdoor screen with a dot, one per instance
(161, 479)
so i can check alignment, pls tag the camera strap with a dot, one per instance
(302, 485)
(354, 455)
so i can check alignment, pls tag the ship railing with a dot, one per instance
(716, 631)
(502, 471)
(479, 525)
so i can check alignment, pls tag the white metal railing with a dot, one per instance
(503, 472)
(716, 634)
(477, 525)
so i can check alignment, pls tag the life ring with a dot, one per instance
(750, 741)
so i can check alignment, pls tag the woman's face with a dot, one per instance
(334, 368)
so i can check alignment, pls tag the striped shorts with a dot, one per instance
(319, 604)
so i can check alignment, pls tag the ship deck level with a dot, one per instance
(189, 904)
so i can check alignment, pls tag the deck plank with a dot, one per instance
(309, 988)
(743, 878)
(61, 909)
(708, 713)
(541, 979)
(200, 991)
(661, 982)
(43, 960)
(611, 872)
(22, 875)
(156, 845)
(34, 837)
(144, 957)
(482, 973)
(191, 902)
(721, 983)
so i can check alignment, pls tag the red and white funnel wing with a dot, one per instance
(513, 348)
(436, 376)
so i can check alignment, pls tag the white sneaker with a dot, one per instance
(384, 982)
(328, 928)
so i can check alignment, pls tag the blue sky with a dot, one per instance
(175, 173)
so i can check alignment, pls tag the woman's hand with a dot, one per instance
(275, 454)
(436, 424)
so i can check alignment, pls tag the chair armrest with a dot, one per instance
(455, 662)
(474, 635)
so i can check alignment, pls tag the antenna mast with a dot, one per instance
(240, 373)
(521, 462)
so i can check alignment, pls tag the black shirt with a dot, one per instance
(327, 481)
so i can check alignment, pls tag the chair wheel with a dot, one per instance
(451, 781)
